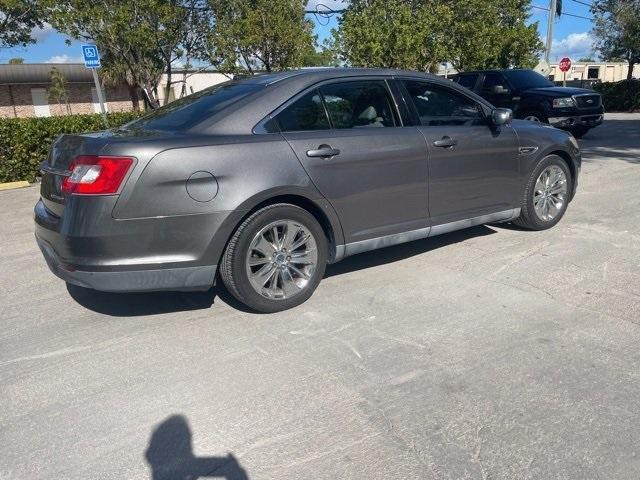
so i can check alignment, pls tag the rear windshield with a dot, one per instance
(187, 112)
(527, 79)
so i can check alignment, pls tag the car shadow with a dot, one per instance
(405, 250)
(156, 303)
(139, 304)
(599, 143)
(170, 455)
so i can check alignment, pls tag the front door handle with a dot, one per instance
(323, 151)
(445, 142)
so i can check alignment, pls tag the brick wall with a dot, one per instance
(16, 100)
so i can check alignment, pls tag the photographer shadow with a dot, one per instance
(170, 456)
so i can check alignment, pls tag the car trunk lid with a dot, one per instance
(56, 167)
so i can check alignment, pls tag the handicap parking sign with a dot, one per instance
(91, 56)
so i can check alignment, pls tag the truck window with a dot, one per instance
(468, 81)
(492, 80)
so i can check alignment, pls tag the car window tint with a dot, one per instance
(358, 104)
(438, 105)
(468, 81)
(187, 112)
(306, 113)
(492, 80)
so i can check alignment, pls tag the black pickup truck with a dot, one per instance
(532, 97)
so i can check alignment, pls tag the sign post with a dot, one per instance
(92, 61)
(565, 65)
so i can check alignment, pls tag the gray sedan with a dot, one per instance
(261, 182)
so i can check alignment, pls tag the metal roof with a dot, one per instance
(27, 73)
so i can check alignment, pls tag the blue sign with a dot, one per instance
(91, 56)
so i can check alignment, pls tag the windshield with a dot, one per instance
(527, 79)
(187, 112)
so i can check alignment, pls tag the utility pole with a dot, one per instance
(552, 18)
(544, 66)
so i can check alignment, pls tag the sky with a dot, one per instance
(571, 35)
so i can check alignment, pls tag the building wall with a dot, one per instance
(17, 100)
(195, 82)
(607, 72)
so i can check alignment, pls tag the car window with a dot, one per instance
(358, 104)
(493, 80)
(468, 81)
(187, 112)
(306, 113)
(438, 105)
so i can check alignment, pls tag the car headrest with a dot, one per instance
(368, 113)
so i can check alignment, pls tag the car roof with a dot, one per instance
(322, 73)
(278, 88)
(493, 70)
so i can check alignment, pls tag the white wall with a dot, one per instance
(608, 72)
(40, 100)
(195, 82)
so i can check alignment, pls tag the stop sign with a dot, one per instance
(565, 64)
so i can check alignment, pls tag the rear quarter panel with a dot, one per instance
(249, 169)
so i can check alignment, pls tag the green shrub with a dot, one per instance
(25, 142)
(623, 96)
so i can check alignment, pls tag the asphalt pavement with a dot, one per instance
(491, 353)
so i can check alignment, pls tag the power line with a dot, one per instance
(582, 3)
(323, 13)
(567, 14)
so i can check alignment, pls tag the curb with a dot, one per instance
(12, 185)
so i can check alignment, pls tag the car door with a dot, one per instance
(348, 136)
(473, 166)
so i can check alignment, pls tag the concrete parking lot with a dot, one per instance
(491, 353)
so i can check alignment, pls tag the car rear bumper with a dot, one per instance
(589, 121)
(116, 256)
(185, 278)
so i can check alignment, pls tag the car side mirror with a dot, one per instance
(499, 90)
(501, 116)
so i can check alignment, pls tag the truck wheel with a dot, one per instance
(535, 116)
(546, 195)
(275, 259)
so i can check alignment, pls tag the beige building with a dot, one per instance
(603, 71)
(192, 80)
(24, 90)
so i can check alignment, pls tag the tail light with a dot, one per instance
(96, 175)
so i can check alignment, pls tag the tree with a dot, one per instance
(17, 20)
(617, 30)
(493, 34)
(394, 34)
(58, 89)
(139, 40)
(587, 59)
(16, 61)
(325, 57)
(424, 34)
(255, 35)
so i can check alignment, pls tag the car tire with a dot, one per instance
(579, 132)
(537, 194)
(534, 116)
(255, 253)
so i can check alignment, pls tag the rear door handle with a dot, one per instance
(445, 142)
(323, 151)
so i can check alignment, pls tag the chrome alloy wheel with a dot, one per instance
(550, 193)
(282, 259)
